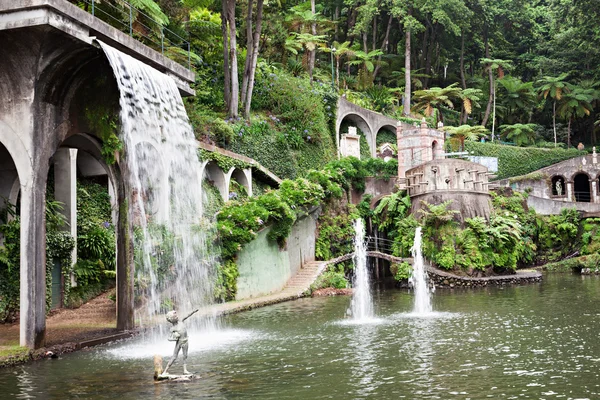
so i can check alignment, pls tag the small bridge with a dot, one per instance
(370, 122)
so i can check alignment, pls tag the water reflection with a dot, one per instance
(364, 366)
(25, 385)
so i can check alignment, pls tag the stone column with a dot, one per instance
(65, 191)
(125, 263)
(33, 264)
(594, 193)
(401, 169)
(570, 191)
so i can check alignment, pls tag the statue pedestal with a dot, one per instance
(159, 376)
(175, 378)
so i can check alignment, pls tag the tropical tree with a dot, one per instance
(431, 100)
(553, 87)
(575, 104)
(390, 208)
(470, 99)
(520, 134)
(366, 63)
(339, 50)
(499, 66)
(517, 98)
(458, 134)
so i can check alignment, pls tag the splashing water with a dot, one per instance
(419, 278)
(174, 260)
(362, 302)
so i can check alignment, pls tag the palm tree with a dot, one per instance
(575, 104)
(430, 100)
(492, 65)
(458, 134)
(391, 207)
(520, 134)
(516, 98)
(365, 61)
(339, 50)
(553, 87)
(470, 99)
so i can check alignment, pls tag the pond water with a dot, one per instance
(537, 342)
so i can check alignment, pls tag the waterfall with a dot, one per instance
(419, 279)
(362, 302)
(174, 260)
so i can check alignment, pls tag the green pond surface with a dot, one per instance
(537, 341)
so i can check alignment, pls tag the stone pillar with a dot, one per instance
(401, 169)
(594, 193)
(125, 263)
(569, 191)
(65, 191)
(33, 264)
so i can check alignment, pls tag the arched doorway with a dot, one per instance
(581, 183)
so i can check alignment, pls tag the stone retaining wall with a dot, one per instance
(445, 279)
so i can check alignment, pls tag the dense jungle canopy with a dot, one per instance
(442, 59)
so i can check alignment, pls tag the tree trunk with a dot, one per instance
(235, 85)
(488, 108)
(463, 80)
(336, 17)
(374, 37)
(429, 57)
(494, 108)
(249, 50)
(407, 88)
(256, 41)
(226, 71)
(554, 120)
(313, 53)
(569, 134)
(384, 46)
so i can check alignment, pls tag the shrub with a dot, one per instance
(515, 161)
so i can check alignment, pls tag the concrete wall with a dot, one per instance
(264, 268)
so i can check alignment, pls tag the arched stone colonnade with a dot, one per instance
(221, 179)
(369, 122)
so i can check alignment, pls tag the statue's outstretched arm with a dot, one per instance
(190, 314)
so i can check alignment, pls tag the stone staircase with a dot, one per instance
(294, 289)
(305, 277)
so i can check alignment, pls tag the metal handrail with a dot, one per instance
(106, 17)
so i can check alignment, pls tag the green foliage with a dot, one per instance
(224, 162)
(105, 123)
(333, 277)
(336, 232)
(226, 284)
(208, 126)
(514, 161)
(401, 271)
(9, 270)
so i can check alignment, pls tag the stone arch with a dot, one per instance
(582, 187)
(242, 177)
(215, 175)
(362, 124)
(435, 150)
(385, 128)
(562, 187)
(10, 185)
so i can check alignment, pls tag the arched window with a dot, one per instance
(558, 186)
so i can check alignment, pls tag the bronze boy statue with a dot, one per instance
(180, 337)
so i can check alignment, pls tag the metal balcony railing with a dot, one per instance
(142, 27)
